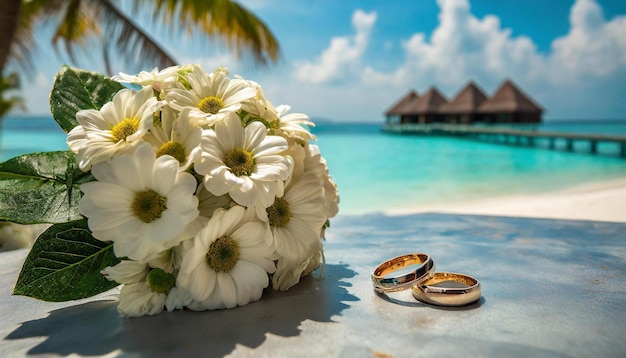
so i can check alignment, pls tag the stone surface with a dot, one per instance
(549, 288)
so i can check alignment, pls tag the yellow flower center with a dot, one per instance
(279, 213)
(174, 149)
(125, 128)
(240, 161)
(211, 104)
(160, 281)
(223, 254)
(148, 205)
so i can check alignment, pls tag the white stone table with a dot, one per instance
(550, 288)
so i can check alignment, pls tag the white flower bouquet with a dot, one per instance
(187, 188)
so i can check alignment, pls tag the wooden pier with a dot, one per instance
(510, 135)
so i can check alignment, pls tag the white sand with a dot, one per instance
(603, 201)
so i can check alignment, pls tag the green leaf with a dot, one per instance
(41, 188)
(76, 89)
(65, 263)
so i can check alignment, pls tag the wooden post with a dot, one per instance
(593, 147)
(570, 145)
(551, 142)
(623, 149)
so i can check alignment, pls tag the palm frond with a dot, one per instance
(78, 23)
(75, 26)
(237, 27)
(11, 38)
(7, 84)
(32, 13)
(136, 46)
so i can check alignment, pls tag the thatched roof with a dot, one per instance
(398, 108)
(429, 102)
(466, 101)
(510, 99)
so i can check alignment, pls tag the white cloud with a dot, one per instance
(583, 75)
(593, 46)
(342, 58)
(464, 47)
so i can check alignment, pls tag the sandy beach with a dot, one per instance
(599, 201)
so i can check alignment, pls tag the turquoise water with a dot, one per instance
(376, 172)
(29, 135)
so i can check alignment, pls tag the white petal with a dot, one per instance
(164, 174)
(249, 234)
(126, 272)
(216, 185)
(226, 289)
(244, 199)
(107, 195)
(106, 219)
(255, 134)
(127, 174)
(230, 134)
(204, 283)
(270, 145)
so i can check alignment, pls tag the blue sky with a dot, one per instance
(351, 60)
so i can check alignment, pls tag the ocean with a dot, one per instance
(377, 172)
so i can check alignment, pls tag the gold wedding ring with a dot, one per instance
(383, 283)
(447, 289)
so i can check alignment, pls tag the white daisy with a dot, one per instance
(296, 219)
(293, 124)
(140, 203)
(244, 162)
(314, 162)
(259, 106)
(288, 272)
(147, 288)
(307, 159)
(177, 136)
(158, 80)
(116, 128)
(207, 205)
(229, 261)
(211, 96)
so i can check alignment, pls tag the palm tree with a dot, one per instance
(81, 23)
(7, 84)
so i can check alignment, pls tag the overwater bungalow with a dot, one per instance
(398, 113)
(424, 108)
(432, 114)
(463, 108)
(508, 104)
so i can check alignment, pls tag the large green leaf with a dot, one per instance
(76, 89)
(41, 188)
(65, 263)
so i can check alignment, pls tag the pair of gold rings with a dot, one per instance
(436, 288)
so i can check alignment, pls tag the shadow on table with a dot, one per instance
(96, 328)
(415, 303)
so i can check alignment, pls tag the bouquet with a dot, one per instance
(189, 189)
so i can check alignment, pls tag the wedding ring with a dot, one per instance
(447, 289)
(383, 283)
